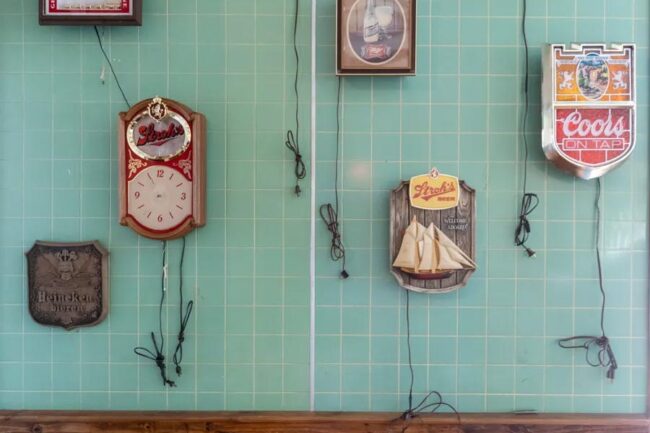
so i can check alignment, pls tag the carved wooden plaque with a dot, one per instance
(457, 223)
(68, 283)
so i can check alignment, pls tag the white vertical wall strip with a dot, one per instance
(312, 243)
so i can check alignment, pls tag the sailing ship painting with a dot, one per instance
(426, 253)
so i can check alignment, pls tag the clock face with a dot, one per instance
(160, 198)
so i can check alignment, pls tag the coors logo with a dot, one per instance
(593, 136)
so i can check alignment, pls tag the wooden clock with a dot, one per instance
(162, 169)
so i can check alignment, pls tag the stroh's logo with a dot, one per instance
(434, 191)
(593, 136)
(149, 135)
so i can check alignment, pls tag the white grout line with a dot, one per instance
(312, 228)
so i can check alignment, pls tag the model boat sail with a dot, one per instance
(429, 254)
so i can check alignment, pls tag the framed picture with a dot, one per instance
(375, 37)
(90, 12)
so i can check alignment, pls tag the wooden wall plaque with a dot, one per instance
(68, 283)
(457, 223)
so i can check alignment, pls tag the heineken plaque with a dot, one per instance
(68, 283)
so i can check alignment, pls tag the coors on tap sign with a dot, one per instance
(589, 107)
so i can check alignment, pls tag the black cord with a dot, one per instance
(604, 354)
(529, 201)
(158, 357)
(185, 315)
(110, 65)
(300, 171)
(328, 213)
(425, 404)
(293, 143)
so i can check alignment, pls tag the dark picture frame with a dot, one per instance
(89, 18)
(376, 37)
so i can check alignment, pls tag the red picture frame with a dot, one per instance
(97, 12)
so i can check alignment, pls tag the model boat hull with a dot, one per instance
(428, 276)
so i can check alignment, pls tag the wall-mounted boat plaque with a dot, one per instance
(432, 251)
(589, 107)
(68, 283)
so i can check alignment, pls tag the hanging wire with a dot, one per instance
(158, 353)
(529, 201)
(293, 142)
(184, 316)
(433, 401)
(330, 213)
(598, 350)
(110, 65)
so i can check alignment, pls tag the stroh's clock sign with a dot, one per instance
(162, 169)
(589, 107)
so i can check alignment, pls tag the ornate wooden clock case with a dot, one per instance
(162, 169)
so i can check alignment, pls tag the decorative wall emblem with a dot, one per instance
(589, 107)
(433, 250)
(68, 284)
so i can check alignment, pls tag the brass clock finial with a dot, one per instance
(157, 108)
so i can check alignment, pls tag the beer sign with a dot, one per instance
(589, 107)
(434, 191)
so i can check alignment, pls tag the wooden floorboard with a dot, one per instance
(307, 422)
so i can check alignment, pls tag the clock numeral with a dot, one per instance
(160, 173)
(160, 218)
(137, 194)
(183, 196)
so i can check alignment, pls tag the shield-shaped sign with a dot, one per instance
(68, 283)
(589, 107)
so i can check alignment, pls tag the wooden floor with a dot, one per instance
(303, 422)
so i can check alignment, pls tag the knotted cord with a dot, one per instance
(601, 345)
(529, 201)
(328, 213)
(159, 356)
(337, 250)
(184, 316)
(293, 143)
(300, 171)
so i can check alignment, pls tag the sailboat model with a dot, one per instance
(428, 254)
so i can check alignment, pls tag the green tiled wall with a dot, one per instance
(247, 343)
(488, 347)
(491, 345)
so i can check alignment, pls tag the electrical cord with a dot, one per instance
(426, 404)
(157, 355)
(330, 213)
(110, 65)
(601, 345)
(293, 142)
(185, 314)
(529, 201)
